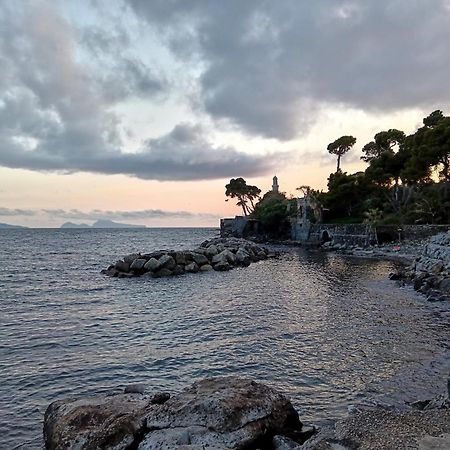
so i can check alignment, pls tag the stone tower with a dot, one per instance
(275, 184)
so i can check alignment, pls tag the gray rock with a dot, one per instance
(191, 267)
(122, 266)
(160, 398)
(200, 259)
(167, 262)
(130, 258)
(101, 422)
(223, 413)
(222, 266)
(179, 270)
(206, 268)
(283, 443)
(211, 251)
(180, 258)
(242, 257)
(151, 265)
(137, 266)
(135, 389)
(164, 272)
(218, 413)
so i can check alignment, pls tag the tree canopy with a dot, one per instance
(245, 193)
(341, 146)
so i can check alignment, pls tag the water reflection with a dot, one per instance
(320, 327)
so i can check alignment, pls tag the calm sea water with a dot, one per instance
(328, 331)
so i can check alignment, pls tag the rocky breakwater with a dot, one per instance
(430, 272)
(219, 254)
(216, 413)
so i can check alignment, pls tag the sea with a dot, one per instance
(331, 332)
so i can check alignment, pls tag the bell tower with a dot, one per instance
(275, 184)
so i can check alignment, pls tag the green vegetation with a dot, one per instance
(246, 194)
(341, 146)
(407, 179)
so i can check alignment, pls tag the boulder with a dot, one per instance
(206, 268)
(220, 413)
(163, 272)
(179, 270)
(216, 413)
(130, 258)
(122, 266)
(200, 259)
(191, 267)
(222, 266)
(151, 265)
(167, 262)
(242, 257)
(211, 251)
(180, 258)
(101, 422)
(137, 266)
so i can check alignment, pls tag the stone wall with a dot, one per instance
(361, 234)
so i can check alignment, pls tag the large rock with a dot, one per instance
(152, 265)
(167, 262)
(137, 266)
(216, 413)
(200, 259)
(101, 422)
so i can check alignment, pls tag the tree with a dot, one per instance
(383, 141)
(341, 146)
(272, 211)
(238, 188)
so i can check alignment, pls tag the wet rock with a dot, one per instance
(135, 389)
(151, 265)
(192, 267)
(130, 258)
(180, 258)
(179, 270)
(200, 259)
(160, 398)
(164, 272)
(222, 266)
(283, 443)
(122, 266)
(206, 268)
(211, 251)
(167, 262)
(137, 266)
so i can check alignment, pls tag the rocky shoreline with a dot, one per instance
(220, 254)
(233, 413)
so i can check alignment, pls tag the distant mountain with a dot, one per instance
(7, 225)
(75, 225)
(104, 223)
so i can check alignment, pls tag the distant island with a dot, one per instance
(8, 226)
(104, 223)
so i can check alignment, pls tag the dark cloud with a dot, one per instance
(97, 214)
(270, 65)
(55, 113)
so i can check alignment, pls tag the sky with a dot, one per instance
(140, 111)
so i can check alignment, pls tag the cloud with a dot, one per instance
(97, 214)
(56, 115)
(270, 66)
(9, 212)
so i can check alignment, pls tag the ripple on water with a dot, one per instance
(326, 330)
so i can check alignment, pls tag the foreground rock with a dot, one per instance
(216, 413)
(430, 272)
(218, 254)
